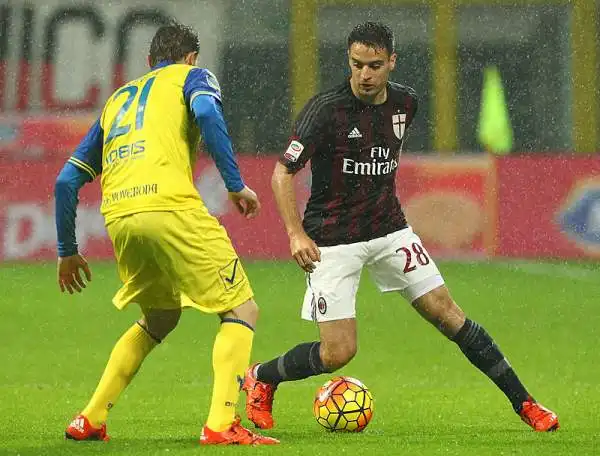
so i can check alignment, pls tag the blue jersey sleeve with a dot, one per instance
(66, 191)
(209, 118)
(200, 81)
(84, 166)
(88, 155)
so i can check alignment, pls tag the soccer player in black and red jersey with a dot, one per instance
(353, 136)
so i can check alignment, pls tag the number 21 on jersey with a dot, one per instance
(116, 129)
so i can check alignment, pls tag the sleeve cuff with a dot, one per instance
(65, 250)
(236, 187)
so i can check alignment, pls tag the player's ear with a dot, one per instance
(349, 59)
(191, 58)
(393, 61)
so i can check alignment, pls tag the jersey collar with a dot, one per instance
(162, 64)
(361, 103)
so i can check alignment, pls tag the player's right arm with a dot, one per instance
(203, 95)
(301, 147)
(303, 248)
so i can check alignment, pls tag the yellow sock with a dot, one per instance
(124, 361)
(231, 355)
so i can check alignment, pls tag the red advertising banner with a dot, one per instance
(549, 206)
(446, 201)
(41, 138)
(529, 206)
(450, 203)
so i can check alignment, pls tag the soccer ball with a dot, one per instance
(343, 404)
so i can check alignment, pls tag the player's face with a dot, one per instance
(371, 69)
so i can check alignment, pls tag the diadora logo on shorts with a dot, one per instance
(580, 217)
(293, 151)
(355, 133)
(231, 275)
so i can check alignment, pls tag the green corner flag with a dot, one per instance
(494, 130)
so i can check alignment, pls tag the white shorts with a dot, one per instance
(396, 262)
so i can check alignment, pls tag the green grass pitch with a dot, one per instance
(428, 398)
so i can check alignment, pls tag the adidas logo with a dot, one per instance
(78, 424)
(355, 133)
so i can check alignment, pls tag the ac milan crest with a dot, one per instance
(322, 305)
(399, 123)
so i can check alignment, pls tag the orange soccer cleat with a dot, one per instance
(81, 429)
(259, 400)
(538, 417)
(235, 435)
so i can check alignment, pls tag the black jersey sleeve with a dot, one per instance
(413, 104)
(308, 133)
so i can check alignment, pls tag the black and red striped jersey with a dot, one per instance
(354, 149)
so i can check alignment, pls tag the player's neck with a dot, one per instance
(377, 99)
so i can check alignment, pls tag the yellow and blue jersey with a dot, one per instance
(144, 143)
(144, 147)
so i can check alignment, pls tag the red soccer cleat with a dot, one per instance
(81, 429)
(259, 400)
(538, 417)
(235, 435)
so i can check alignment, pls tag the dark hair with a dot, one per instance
(373, 34)
(173, 42)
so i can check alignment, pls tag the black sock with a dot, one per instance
(300, 362)
(482, 351)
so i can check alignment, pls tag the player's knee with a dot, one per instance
(159, 323)
(248, 312)
(336, 356)
(253, 311)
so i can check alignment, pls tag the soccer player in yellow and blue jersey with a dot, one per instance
(171, 253)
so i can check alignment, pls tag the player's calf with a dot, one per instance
(439, 309)
(302, 361)
(336, 355)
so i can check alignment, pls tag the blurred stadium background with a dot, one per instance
(60, 60)
(534, 211)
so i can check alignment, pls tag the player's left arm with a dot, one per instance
(203, 96)
(82, 167)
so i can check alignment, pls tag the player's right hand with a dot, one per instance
(246, 202)
(305, 251)
(69, 273)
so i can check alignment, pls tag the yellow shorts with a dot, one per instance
(168, 260)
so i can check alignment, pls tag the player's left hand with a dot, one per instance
(69, 273)
(246, 202)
